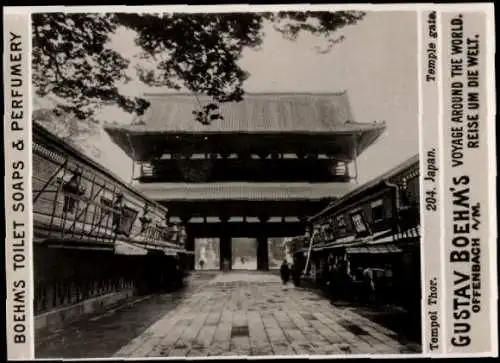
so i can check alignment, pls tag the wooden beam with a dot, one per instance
(241, 229)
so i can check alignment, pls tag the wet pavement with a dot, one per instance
(229, 314)
(102, 334)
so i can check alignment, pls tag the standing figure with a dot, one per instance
(358, 285)
(333, 280)
(285, 272)
(369, 285)
(325, 274)
(344, 279)
(226, 264)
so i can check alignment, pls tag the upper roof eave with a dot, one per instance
(133, 141)
(348, 128)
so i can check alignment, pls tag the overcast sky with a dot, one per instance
(376, 64)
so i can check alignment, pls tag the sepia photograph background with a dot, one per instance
(375, 64)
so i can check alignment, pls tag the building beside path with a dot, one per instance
(376, 226)
(256, 168)
(96, 239)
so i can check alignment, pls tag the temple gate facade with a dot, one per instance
(258, 169)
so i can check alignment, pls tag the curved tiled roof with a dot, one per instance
(303, 115)
(265, 112)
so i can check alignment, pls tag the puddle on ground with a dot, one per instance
(240, 331)
(353, 328)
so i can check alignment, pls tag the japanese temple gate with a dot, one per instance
(259, 169)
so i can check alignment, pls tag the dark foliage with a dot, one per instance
(73, 60)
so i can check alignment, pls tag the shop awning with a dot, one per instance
(351, 241)
(374, 249)
(129, 249)
(341, 244)
(137, 249)
(76, 244)
(83, 247)
(168, 251)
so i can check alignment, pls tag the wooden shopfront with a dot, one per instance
(93, 233)
(377, 226)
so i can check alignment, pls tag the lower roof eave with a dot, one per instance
(138, 144)
(185, 192)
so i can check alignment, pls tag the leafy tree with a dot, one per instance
(74, 61)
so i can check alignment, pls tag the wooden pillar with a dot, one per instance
(189, 241)
(355, 157)
(190, 247)
(133, 172)
(225, 250)
(262, 246)
(262, 252)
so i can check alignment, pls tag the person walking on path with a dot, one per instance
(334, 279)
(325, 277)
(369, 285)
(285, 272)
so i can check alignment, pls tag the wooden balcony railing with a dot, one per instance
(77, 200)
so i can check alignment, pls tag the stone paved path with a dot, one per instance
(100, 335)
(239, 314)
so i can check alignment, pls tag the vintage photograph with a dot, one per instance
(226, 184)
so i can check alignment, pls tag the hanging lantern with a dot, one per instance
(118, 200)
(73, 184)
(145, 219)
(182, 235)
(165, 220)
(338, 168)
(117, 206)
(307, 234)
(174, 232)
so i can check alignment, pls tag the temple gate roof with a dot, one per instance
(278, 114)
(266, 112)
